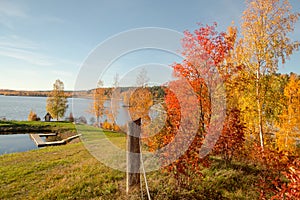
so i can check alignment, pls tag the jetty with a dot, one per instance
(41, 143)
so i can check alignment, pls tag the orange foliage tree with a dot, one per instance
(205, 51)
(289, 122)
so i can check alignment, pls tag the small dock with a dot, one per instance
(47, 134)
(40, 143)
(37, 140)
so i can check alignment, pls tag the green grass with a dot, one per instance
(35, 126)
(64, 172)
(71, 172)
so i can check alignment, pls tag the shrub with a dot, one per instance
(291, 190)
(232, 138)
(33, 116)
(115, 127)
(71, 117)
(106, 125)
(81, 120)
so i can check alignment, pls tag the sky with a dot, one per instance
(41, 41)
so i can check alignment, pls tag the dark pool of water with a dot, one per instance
(16, 143)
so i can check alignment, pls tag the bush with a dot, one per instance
(81, 120)
(106, 125)
(116, 127)
(71, 117)
(231, 140)
(33, 116)
(93, 121)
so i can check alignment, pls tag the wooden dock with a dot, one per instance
(40, 143)
(37, 140)
(47, 134)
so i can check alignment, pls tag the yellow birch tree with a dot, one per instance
(265, 28)
(57, 100)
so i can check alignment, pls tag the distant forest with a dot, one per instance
(157, 91)
(43, 93)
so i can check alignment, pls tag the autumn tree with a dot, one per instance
(232, 138)
(289, 122)
(189, 109)
(140, 102)
(265, 43)
(99, 98)
(115, 100)
(57, 100)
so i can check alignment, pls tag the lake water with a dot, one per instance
(16, 143)
(18, 108)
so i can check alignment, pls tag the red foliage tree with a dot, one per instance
(231, 141)
(204, 52)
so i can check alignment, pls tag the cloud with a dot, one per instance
(10, 9)
(19, 48)
(25, 55)
(14, 41)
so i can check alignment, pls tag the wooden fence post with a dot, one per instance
(133, 154)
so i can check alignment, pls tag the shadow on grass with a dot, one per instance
(10, 127)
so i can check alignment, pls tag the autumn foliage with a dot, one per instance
(261, 120)
(33, 116)
(188, 101)
(261, 126)
(231, 141)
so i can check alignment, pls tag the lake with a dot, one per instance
(18, 108)
(15, 143)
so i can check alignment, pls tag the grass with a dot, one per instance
(71, 172)
(64, 172)
(34, 126)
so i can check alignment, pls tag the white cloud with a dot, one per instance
(10, 9)
(28, 56)
(14, 41)
(19, 48)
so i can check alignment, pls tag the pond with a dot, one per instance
(8, 143)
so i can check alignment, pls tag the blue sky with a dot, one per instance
(41, 41)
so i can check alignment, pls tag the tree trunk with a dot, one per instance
(259, 107)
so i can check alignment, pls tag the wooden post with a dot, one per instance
(133, 154)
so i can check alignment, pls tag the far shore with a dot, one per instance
(69, 94)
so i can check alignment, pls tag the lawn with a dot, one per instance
(71, 172)
(34, 126)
